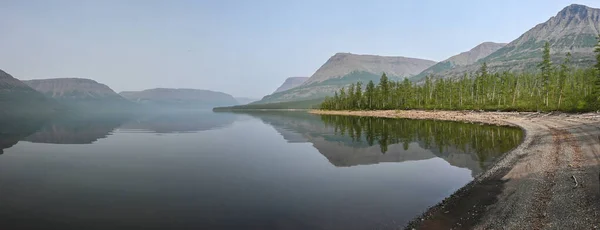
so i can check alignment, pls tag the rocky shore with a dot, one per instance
(550, 181)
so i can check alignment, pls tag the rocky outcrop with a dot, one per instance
(291, 83)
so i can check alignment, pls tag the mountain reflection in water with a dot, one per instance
(262, 170)
(349, 140)
(87, 129)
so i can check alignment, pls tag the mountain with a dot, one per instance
(81, 94)
(245, 100)
(180, 98)
(342, 69)
(463, 59)
(16, 98)
(574, 29)
(291, 82)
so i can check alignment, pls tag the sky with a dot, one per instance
(242, 47)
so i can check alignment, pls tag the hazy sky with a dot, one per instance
(244, 47)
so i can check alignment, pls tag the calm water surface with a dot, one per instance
(204, 170)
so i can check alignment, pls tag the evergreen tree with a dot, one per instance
(384, 91)
(358, 95)
(567, 89)
(343, 99)
(562, 77)
(370, 95)
(546, 68)
(351, 97)
(596, 89)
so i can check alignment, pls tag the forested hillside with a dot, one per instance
(556, 87)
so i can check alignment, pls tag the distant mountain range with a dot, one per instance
(81, 94)
(574, 29)
(343, 69)
(180, 98)
(45, 96)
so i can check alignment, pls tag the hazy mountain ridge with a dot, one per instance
(465, 58)
(343, 69)
(342, 64)
(8, 82)
(18, 98)
(574, 29)
(72, 88)
(290, 83)
(245, 100)
(83, 95)
(184, 98)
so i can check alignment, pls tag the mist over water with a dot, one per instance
(263, 170)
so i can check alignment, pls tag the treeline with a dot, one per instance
(483, 141)
(555, 88)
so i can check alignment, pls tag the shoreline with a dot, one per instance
(529, 187)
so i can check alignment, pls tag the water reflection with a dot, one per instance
(349, 141)
(247, 176)
(77, 129)
(87, 129)
(179, 122)
(12, 130)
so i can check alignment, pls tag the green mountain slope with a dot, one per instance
(574, 29)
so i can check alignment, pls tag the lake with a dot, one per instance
(261, 170)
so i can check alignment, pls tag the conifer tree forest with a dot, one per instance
(556, 87)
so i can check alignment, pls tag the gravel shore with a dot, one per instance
(550, 181)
